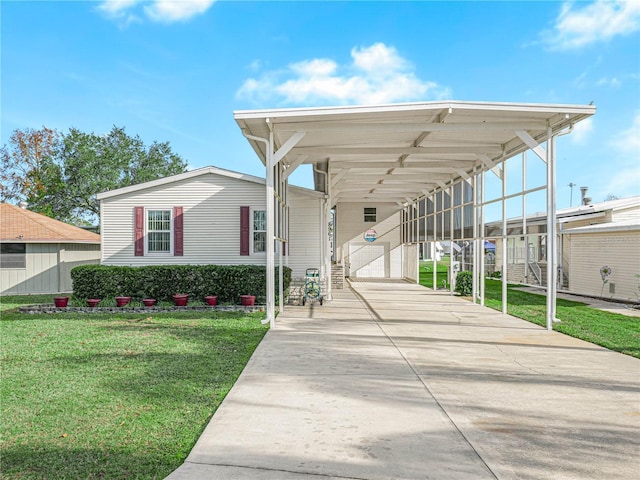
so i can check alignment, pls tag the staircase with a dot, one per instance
(534, 268)
(337, 277)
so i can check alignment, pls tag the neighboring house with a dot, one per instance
(615, 245)
(204, 216)
(39, 252)
(591, 236)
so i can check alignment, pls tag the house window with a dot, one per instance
(13, 255)
(369, 214)
(159, 231)
(259, 231)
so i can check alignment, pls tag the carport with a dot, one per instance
(420, 156)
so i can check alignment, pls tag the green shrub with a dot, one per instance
(163, 281)
(464, 283)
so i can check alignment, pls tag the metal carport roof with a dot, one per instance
(399, 152)
(391, 152)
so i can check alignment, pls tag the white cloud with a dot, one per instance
(612, 82)
(174, 11)
(378, 57)
(117, 6)
(377, 74)
(578, 26)
(582, 131)
(628, 141)
(166, 11)
(625, 155)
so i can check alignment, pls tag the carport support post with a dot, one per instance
(482, 238)
(552, 253)
(327, 220)
(452, 280)
(524, 217)
(505, 250)
(475, 238)
(435, 242)
(282, 234)
(271, 268)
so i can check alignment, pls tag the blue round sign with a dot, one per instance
(370, 235)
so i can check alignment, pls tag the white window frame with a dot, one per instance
(253, 231)
(146, 231)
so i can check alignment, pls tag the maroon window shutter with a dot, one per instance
(138, 231)
(178, 232)
(244, 230)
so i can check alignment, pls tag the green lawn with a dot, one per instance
(113, 396)
(426, 273)
(14, 301)
(610, 330)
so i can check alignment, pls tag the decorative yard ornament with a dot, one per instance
(605, 272)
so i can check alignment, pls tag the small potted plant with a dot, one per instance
(149, 302)
(247, 300)
(93, 302)
(180, 299)
(122, 301)
(211, 300)
(60, 302)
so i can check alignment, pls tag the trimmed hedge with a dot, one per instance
(464, 283)
(161, 282)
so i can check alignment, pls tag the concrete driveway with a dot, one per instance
(393, 381)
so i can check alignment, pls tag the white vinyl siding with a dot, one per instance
(591, 251)
(304, 234)
(350, 229)
(211, 219)
(627, 214)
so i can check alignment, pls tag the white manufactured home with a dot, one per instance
(204, 216)
(392, 177)
(591, 237)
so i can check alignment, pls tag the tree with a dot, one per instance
(80, 165)
(29, 168)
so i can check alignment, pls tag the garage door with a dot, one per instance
(368, 260)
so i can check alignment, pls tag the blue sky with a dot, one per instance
(176, 70)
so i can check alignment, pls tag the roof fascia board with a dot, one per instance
(50, 241)
(339, 127)
(596, 229)
(275, 114)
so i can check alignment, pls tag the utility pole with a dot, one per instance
(571, 185)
